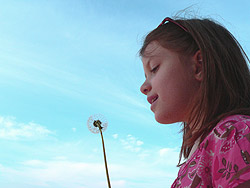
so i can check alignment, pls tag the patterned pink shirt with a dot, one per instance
(222, 159)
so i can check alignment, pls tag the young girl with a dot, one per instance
(197, 73)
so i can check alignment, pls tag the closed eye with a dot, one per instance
(154, 69)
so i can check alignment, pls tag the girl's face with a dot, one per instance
(170, 83)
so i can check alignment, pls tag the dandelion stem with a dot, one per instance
(105, 160)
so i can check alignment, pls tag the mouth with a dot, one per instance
(152, 99)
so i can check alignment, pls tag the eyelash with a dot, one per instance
(154, 69)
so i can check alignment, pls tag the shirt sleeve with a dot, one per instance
(231, 150)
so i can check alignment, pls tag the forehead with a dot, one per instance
(154, 50)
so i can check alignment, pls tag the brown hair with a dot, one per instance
(225, 88)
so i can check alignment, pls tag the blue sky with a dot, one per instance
(62, 61)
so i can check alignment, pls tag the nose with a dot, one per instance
(145, 88)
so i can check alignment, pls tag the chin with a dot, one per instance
(165, 119)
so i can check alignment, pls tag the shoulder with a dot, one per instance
(222, 159)
(236, 123)
(235, 127)
(229, 147)
(231, 133)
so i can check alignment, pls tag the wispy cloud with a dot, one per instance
(10, 129)
(131, 143)
(102, 87)
(64, 173)
(134, 164)
(115, 136)
(134, 150)
(33, 70)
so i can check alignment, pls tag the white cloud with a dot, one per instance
(12, 130)
(139, 143)
(154, 156)
(62, 174)
(131, 143)
(130, 166)
(115, 136)
(168, 157)
(60, 158)
(58, 173)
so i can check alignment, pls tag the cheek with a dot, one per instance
(171, 87)
(176, 92)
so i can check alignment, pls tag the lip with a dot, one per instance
(152, 99)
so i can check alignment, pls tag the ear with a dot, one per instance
(198, 63)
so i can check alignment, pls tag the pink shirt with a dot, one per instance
(222, 159)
